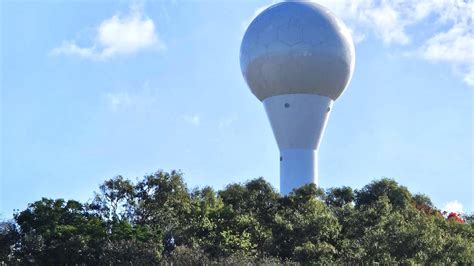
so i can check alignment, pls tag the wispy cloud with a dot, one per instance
(453, 206)
(118, 100)
(380, 17)
(140, 98)
(118, 35)
(446, 25)
(456, 46)
(225, 123)
(450, 21)
(194, 119)
(469, 76)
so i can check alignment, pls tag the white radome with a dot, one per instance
(297, 58)
(297, 48)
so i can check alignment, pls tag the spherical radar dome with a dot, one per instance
(297, 48)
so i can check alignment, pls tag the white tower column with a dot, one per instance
(297, 167)
(298, 122)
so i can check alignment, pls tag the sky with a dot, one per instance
(95, 89)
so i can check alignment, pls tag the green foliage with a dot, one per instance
(398, 196)
(158, 220)
(338, 197)
(116, 199)
(9, 236)
(183, 255)
(58, 232)
(131, 252)
(303, 221)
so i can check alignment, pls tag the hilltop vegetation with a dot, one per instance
(157, 219)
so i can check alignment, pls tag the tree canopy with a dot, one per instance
(158, 219)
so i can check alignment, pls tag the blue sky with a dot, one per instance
(91, 90)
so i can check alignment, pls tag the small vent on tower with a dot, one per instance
(281, 158)
(287, 105)
(329, 109)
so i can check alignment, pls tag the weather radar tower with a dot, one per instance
(297, 58)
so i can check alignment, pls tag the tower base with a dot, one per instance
(298, 167)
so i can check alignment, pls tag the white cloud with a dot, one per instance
(226, 123)
(118, 35)
(118, 100)
(381, 17)
(194, 119)
(141, 98)
(450, 21)
(469, 76)
(454, 45)
(435, 30)
(453, 206)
